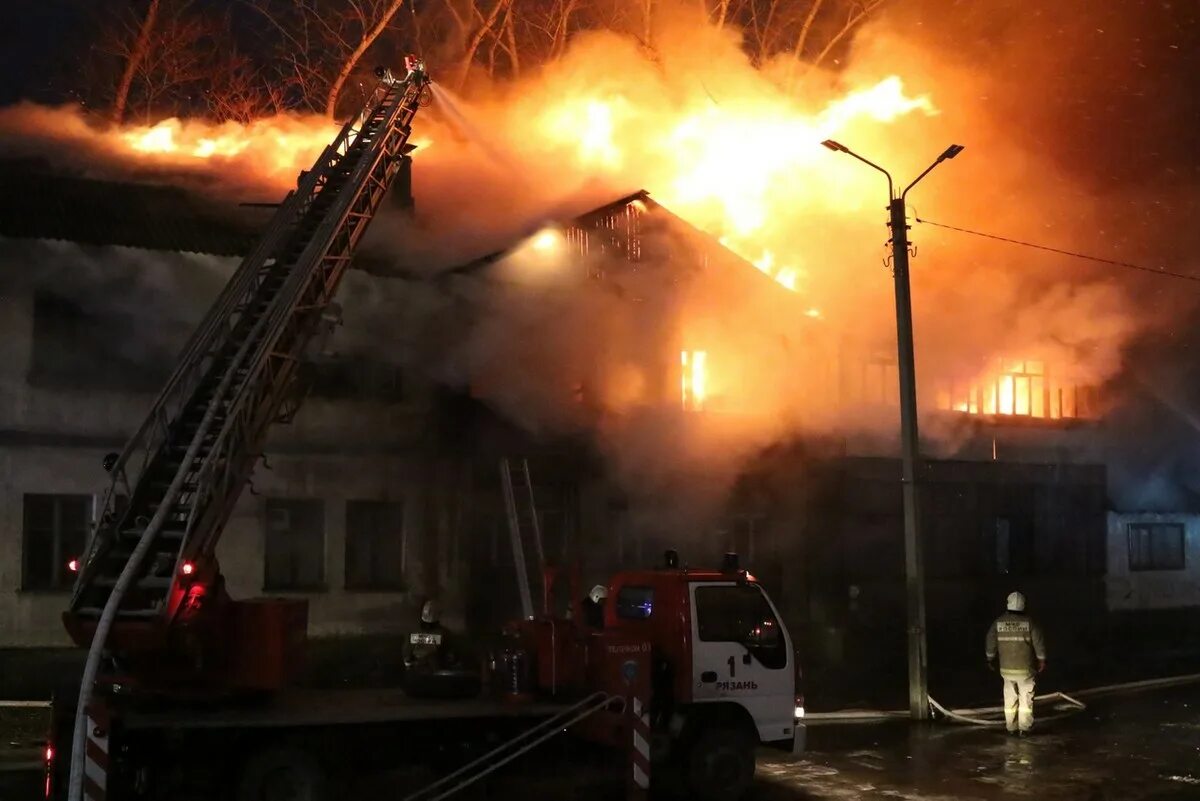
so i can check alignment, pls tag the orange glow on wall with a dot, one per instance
(693, 379)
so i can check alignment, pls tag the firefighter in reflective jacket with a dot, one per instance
(429, 648)
(1018, 644)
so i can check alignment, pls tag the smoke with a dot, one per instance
(723, 146)
(734, 149)
(115, 317)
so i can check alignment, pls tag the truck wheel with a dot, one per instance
(720, 765)
(281, 774)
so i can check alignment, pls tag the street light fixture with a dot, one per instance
(914, 566)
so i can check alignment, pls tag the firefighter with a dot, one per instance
(593, 606)
(414, 66)
(1016, 642)
(431, 647)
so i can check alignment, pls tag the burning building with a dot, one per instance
(709, 365)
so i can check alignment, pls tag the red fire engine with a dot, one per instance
(692, 668)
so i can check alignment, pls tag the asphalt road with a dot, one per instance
(1132, 747)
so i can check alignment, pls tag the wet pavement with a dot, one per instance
(1131, 747)
(1137, 747)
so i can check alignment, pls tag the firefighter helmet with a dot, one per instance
(598, 594)
(430, 612)
(1016, 602)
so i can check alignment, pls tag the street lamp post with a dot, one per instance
(914, 566)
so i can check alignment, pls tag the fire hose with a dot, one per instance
(1067, 703)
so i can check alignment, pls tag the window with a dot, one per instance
(1003, 547)
(1010, 547)
(635, 603)
(740, 613)
(375, 545)
(1021, 388)
(693, 379)
(295, 545)
(1156, 546)
(56, 529)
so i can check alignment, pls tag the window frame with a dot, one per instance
(648, 598)
(771, 657)
(352, 532)
(62, 580)
(321, 584)
(1149, 563)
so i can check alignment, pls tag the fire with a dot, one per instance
(1019, 388)
(273, 147)
(729, 165)
(694, 379)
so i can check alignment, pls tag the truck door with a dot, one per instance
(742, 653)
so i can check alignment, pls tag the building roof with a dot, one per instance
(48, 205)
(618, 227)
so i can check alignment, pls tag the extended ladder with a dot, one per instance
(175, 484)
(523, 522)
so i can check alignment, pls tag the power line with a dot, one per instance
(1060, 251)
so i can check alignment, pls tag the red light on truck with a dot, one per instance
(73, 565)
(187, 569)
(49, 753)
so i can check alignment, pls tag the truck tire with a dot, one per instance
(720, 765)
(281, 774)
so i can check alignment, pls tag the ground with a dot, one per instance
(1133, 747)
(1139, 747)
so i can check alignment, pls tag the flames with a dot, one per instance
(1019, 388)
(274, 149)
(729, 166)
(694, 379)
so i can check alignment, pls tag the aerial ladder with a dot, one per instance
(524, 529)
(149, 596)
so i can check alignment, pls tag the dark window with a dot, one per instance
(1003, 547)
(1156, 546)
(374, 545)
(97, 346)
(295, 545)
(56, 529)
(740, 613)
(1009, 547)
(635, 603)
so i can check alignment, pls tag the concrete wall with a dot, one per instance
(1151, 589)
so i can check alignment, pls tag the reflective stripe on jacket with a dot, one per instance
(1019, 643)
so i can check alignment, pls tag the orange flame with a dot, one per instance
(726, 167)
(1019, 388)
(694, 381)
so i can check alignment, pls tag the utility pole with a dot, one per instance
(914, 563)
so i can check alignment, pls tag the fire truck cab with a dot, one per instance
(724, 670)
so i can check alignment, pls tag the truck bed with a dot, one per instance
(335, 707)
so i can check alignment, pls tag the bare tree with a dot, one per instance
(163, 63)
(319, 44)
(372, 20)
(486, 27)
(855, 15)
(242, 91)
(134, 54)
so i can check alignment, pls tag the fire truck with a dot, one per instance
(186, 691)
